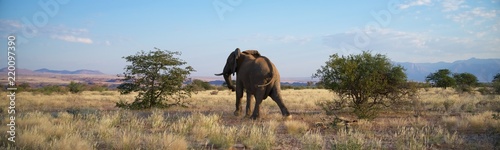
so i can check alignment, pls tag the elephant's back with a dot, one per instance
(265, 66)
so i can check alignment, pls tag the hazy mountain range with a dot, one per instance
(44, 71)
(81, 71)
(483, 69)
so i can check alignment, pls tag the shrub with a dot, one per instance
(496, 83)
(199, 85)
(465, 82)
(364, 82)
(158, 79)
(75, 87)
(97, 87)
(50, 89)
(441, 78)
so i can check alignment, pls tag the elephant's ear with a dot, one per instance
(236, 54)
(254, 53)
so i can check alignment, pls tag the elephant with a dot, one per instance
(258, 76)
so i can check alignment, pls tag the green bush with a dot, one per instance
(97, 87)
(199, 85)
(50, 89)
(441, 78)
(465, 82)
(158, 77)
(75, 87)
(364, 82)
(496, 87)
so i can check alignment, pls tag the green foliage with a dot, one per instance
(496, 78)
(97, 87)
(157, 77)
(199, 85)
(23, 87)
(50, 89)
(364, 82)
(496, 116)
(75, 87)
(441, 78)
(496, 83)
(465, 82)
(496, 87)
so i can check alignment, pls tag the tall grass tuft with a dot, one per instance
(222, 136)
(296, 127)
(157, 119)
(259, 137)
(312, 140)
(425, 138)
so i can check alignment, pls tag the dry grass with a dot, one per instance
(312, 140)
(356, 140)
(482, 122)
(89, 120)
(296, 127)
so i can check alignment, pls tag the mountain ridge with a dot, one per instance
(80, 71)
(483, 69)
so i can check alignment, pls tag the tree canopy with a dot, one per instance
(441, 78)
(158, 77)
(364, 82)
(465, 82)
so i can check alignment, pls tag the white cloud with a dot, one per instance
(59, 32)
(481, 12)
(415, 3)
(415, 47)
(452, 5)
(474, 14)
(9, 27)
(71, 38)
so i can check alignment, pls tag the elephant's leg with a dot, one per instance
(259, 95)
(249, 104)
(239, 95)
(276, 96)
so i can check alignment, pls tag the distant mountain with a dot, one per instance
(81, 71)
(483, 69)
(18, 71)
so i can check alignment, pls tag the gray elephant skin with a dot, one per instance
(258, 76)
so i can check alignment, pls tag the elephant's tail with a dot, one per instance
(273, 78)
(266, 84)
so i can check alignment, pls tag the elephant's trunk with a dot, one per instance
(227, 78)
(230, 68)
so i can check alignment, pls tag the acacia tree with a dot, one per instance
(441, 78)
(465, 82)
(157, 76)
(364, 82)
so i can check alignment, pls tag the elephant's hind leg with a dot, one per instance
(259, 95)
(239, 95)
(249, 104)
(276, 96)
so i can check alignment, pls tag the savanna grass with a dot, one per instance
(89, 120)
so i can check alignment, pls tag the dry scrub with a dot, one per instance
(89, 120)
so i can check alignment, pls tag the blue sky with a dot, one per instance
(298, 36)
